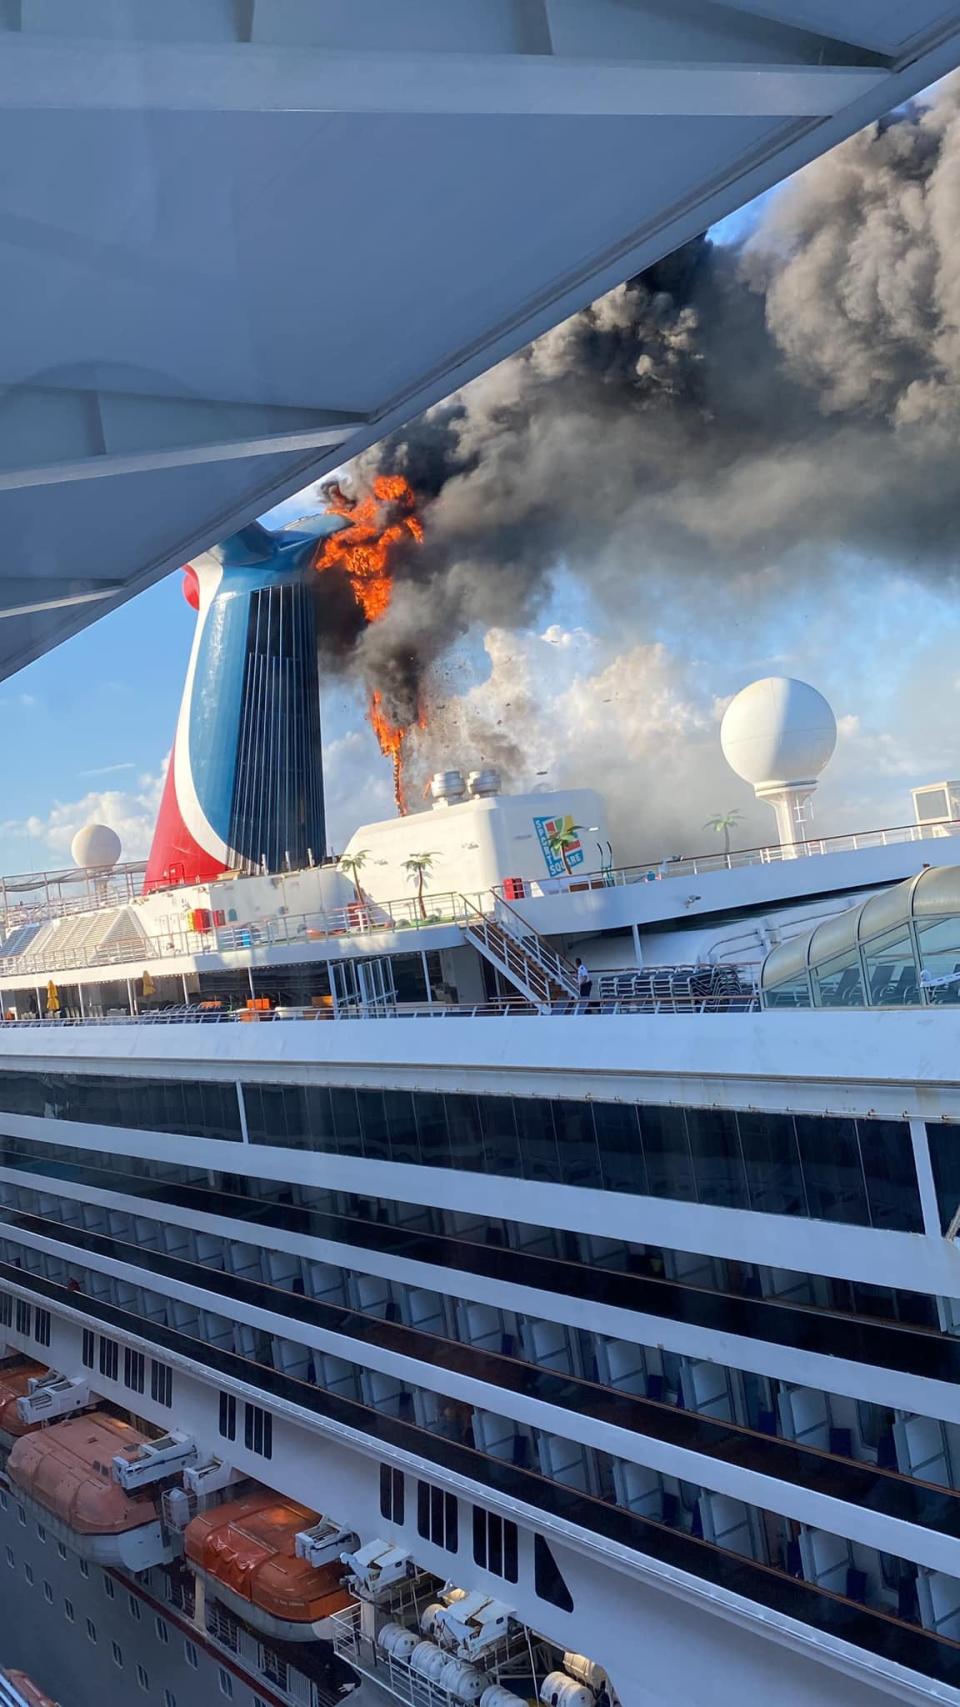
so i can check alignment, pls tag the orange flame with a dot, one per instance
(391, 738)
(363, 550)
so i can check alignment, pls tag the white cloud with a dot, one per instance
(132, 813)
(867, 783)
(358, 785)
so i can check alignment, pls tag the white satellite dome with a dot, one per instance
(96, 847)
(778, 731)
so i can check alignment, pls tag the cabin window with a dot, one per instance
(109, 1359)
(495, 1544)
(142, 1678)
(197, 1108)
(117, 1654)
(770, 1162)
(133, 1369)
(228, 1416)
(258, 1431)
(23, 1316)
(89, 1341)
(437, 1516)
(391, 1493)
(161, 1383)
(226, 1683)
(41, 1327)
(547, 1577)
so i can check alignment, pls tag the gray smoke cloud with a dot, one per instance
(779, 402)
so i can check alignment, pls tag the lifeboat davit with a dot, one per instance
(66, 1473)
(245, 1551)
(33, 1696)
(14, 1377)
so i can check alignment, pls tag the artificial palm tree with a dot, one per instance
(723, 823)
(416, 868)
(352, 865)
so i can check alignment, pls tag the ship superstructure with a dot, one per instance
(414, 1321)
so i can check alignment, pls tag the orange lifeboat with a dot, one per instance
(67, 1470)
(246, 1550)
(33, 1696)
(14, 1377)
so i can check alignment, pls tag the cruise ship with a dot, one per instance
(470, 1272)
(507, 1262)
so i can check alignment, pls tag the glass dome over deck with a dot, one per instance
(899, 948)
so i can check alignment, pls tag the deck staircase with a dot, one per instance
(520, 954)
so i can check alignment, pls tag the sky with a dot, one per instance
(89, 726)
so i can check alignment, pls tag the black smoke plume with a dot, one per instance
(732, 408)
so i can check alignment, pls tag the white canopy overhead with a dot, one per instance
(242, 239)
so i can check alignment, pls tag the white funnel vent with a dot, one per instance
(447, 788)
(483, 784)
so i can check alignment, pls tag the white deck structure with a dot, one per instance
(242, 239)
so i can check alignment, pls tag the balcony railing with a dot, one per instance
(890, 1638)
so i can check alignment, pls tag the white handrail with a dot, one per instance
(357, 918)
(532, 966)
(774, 853)
(597, 1008)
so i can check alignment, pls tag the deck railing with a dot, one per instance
(658, 1002)
(698, 865)
(366, 918)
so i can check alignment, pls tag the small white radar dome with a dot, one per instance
(96, 847)
(778, 731)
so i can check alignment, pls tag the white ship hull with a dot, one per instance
(366, 1358)
(634, 1318)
